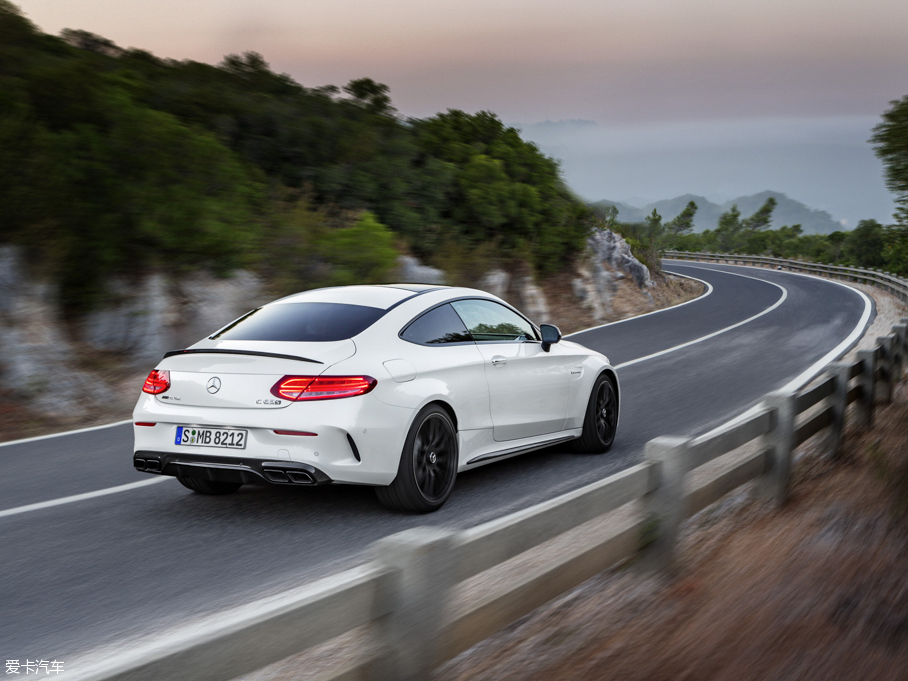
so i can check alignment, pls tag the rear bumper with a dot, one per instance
(356, 440)
(229, 469)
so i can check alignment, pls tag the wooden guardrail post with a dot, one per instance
(408, 637)
(901, 335)
(779, 442)
(868, 388)
(885, 384)
(904, 322)
(839, 402)
(664, 507)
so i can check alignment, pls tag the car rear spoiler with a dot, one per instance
(217, 351)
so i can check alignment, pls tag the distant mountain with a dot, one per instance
(626, 212)
(787, 212)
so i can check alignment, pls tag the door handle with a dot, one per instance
(498, 360)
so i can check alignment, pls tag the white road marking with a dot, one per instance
(80, 497)
(720, 331)
(709, 289)
(67, 432)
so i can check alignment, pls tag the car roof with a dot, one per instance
(382, 296)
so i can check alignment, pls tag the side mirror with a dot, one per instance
(550, 335)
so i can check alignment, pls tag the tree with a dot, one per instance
(362, 253)
(836, 242)
(84, 40)
(864, 245)
(728, 230)
(505, 189)
(736, 235)
(890, 139)
(895, 250)
(683, 222)
(608, 216)
(761, 218)
(371, 95)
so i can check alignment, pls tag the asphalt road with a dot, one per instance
(86, 574)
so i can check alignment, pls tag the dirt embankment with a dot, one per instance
(628, 300)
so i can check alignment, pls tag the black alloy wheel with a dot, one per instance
(606, 413)
(434, 457)
(428, 464)
(600, 422)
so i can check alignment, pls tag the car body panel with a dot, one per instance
(528, 388)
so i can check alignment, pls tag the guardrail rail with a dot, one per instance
(402, 594)
(894, 284)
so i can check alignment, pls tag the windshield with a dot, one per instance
(309, 322)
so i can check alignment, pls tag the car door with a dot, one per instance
(528, 387)
(446, 361)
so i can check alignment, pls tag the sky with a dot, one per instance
(719, 98)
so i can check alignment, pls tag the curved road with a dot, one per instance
(88, 573)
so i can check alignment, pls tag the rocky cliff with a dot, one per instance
(42, 356)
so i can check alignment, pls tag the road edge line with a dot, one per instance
(65, 432)
(714, 333)
(709, 290)
(60, 501)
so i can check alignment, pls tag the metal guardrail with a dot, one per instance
(892, 283)
(403, 593)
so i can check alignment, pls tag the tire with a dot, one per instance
(428, 465)
(600, 421)
(209, 486)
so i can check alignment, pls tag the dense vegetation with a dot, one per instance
(114, 161)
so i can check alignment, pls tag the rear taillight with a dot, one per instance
(158, 381)
(307, 388)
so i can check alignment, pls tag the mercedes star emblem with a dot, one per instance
(214, 384)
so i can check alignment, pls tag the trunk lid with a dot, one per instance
(240, 374)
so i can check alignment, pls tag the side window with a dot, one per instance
(441, 325)
(490, 321)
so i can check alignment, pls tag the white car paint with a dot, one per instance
(534, 399)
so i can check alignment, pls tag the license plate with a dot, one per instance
(211, 437)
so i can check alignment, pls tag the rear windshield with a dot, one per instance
(302, 322)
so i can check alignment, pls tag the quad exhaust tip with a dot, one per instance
(301, 477)
(288, 476)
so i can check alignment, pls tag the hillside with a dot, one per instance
(787, 212)
(137, 164)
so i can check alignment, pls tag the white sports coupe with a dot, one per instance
(398, 386)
